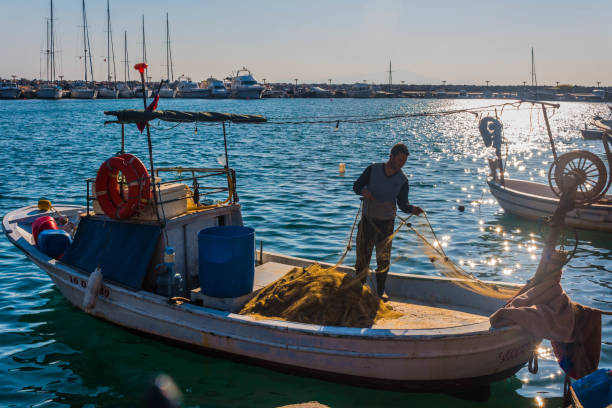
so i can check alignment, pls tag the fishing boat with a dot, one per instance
(443, 339)
(535, 201)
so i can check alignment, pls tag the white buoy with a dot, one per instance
(342, 167)
(94, 283)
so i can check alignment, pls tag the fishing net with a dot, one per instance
(432, 249)
(322, 296)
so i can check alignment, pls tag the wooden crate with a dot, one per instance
(174, 198)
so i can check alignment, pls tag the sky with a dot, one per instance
(460, 42)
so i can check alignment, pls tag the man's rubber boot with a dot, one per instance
(381, 278)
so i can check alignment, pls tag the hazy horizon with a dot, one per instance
(345, 41)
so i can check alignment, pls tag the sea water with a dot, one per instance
(291, 191)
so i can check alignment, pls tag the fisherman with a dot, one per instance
(381, 185)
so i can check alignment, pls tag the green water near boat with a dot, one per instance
(291, 192)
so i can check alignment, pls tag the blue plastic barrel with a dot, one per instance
(226, 261)
(54, 242)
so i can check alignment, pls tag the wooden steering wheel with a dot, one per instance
(587, 168)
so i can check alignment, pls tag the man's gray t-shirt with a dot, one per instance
(386, 190)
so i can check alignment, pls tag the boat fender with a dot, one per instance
(41, 224)
(44, 205)
(491, 132)
(94, 283)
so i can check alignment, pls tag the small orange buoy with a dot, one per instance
(342, 167)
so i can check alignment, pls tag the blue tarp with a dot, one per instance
(123, 250)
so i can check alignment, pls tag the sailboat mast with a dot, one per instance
(88, 44)
(107, 41)
(390, 76)
(84, 41)
(126, 70)
(48, 53)
(144, 49)
(167, 49)
(534, 78)
(52, 49)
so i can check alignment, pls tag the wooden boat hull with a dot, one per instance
(533, 201)
(464, 355)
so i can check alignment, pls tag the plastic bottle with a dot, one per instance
(163, 281)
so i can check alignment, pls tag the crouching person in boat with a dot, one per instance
(384, 187)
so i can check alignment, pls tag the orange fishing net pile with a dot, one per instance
(319, 296)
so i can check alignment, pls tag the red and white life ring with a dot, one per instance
(108, 190)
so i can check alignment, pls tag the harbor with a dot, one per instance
(213, 88)
(323, 207)
(494, 245)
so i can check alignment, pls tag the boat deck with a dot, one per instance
(414, 315)
(427, 316)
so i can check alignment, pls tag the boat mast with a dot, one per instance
(126, 63)
(390, 76)
(144, 50)
(534, 78)
(84, 42)
(108, 77)
(169, 68)
(86, 46)
(52, 49)
(48, 54)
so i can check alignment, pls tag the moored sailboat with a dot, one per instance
(50, 90)
(109, 90)
(85, 90)
(165, 91)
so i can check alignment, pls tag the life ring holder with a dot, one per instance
(108, 191)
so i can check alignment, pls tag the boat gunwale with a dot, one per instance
(549, 200)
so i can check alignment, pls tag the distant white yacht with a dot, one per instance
(124, 90)
(138, 92)
(216, 88)
(166, 92)
(9, 91)
(244, 86)
(318, 92)
(108, 92)
(82, 91)
(360, 90)
(186, 88)
(49, 91)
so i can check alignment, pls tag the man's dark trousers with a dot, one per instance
(374, 233)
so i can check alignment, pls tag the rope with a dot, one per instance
(350, 239)
(461, 277)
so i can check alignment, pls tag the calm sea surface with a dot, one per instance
(51, 354)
